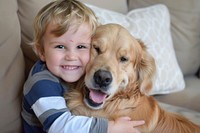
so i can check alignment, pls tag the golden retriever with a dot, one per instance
(118, 78)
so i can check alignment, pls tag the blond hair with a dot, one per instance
(63, 13)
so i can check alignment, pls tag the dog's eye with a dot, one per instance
(97, 49)
(123, 59)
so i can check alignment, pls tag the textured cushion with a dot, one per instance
(185, 20)
(11, 68)
(119, 6)
(152, 25)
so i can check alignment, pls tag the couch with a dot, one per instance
(17, 56)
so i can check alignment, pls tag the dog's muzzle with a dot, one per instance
(95, 97)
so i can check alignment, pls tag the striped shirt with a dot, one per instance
(44, 107)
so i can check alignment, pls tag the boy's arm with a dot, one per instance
(99, 125)
(78, 124)
(56, 117)
(48, 104)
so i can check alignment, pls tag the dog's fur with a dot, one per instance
(118, 78)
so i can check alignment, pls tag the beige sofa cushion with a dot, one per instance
(27, 12)
(185, 22)
(11, 68)
(188, 98)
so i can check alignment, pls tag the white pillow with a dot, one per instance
(152, 26)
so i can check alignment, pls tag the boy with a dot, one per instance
(63, 31)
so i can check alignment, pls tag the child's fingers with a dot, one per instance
(138, 123)
(131, 123)
(135, 123)
(125, 118)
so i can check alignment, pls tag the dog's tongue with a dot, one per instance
(97, 96)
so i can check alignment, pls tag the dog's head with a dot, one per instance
(118, 60)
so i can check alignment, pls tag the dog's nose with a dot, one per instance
(102, 78)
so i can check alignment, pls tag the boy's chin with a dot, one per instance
(71, 78)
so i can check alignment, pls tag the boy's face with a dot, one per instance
(66, 56)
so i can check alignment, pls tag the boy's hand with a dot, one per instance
(124, 125)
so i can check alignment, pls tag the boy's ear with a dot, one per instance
(146, 70)
(40, 52)
(42, 57)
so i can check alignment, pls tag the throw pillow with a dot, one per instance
(185, 27)
(152, 26)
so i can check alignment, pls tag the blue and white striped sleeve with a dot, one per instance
(47, 101)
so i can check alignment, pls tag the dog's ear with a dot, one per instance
(146, 70)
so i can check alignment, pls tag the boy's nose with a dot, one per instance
(70, 55)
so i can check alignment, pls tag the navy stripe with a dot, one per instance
(31, 129)
(49, 121)
(43, 75)
(27, 107)
(39, 66)
(50, 112)
(43, 88)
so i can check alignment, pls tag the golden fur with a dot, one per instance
(125, 76)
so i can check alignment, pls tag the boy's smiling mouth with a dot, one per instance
(70, 67)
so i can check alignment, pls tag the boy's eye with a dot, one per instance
(81, 46)
(60, 46)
